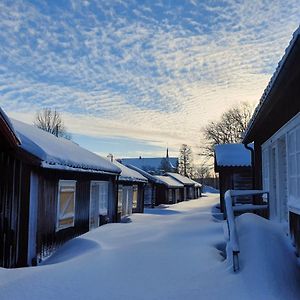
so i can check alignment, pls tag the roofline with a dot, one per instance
(131, 179)
(184, 183)
(8, 131)
(62, 167)
(273, 81)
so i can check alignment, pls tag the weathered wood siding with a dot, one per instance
(234, 178)
(14, 193)
(48, 239)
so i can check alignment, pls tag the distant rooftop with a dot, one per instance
(232, 155)
(182, 179)
(151, 163)
(128, 174)
(170, 182)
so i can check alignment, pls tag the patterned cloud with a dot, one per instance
(150, 70)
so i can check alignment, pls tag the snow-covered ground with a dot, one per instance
(170, 252)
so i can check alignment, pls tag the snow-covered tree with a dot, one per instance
(51, 121)
(185, 161)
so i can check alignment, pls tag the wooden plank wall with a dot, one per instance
(47, 237)
(14, 190)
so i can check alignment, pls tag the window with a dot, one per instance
(135, 197)
(66, 204)
(170, 195)
(103, 198)
(294, 163)
(265, 168)
(120, 197)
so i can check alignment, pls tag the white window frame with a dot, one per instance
(135, 192)
(286, 130)
(61, 184)
(106, 183)
(91, 207)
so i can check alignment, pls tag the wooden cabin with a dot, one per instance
(131, 190)
(275, 131)
(51, 190)
(161, 189)
(189, 185)
(233, 163)
(168, 190)
(150, 188)
(197, 189)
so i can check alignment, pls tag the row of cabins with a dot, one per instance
(170, 188)
(274, 130)
(52, 190)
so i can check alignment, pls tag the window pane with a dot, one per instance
(120, 196)
(298, 139)
(103, 201)
(292, 165)
(135, 196)
(66, 204)
(292, 142)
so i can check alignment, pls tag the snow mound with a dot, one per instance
(267, 261)
(209, 189)
(72, 250)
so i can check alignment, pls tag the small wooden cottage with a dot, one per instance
(189, 185)
(150, 188)
(197, 189)
(275, 131)
(168, 190)
(51, 190)
(131, 190)
(233, 163)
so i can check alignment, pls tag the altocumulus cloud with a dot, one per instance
(150, 70)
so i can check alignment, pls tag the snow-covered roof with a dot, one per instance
(128, 174)
(7, 127)
(197, 184)
(184, 180)
(59, 153)
(145, 174)
(232, 155)
(149, 163)
(169, 181)
(272, 81)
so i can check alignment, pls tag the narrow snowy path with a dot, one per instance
(168, 253)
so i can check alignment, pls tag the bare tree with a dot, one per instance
(185, 161)
(229, 129)
(202, 171)
(51, 121)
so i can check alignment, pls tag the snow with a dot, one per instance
(210, 189)
(197, 184)
(128, 174)
(170, 182)
(182, 179)
(293, 204)
(172, 252)
(232, 155)
(60, 153)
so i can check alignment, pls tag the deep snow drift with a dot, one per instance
(172, 252)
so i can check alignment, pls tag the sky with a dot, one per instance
(134, 77)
